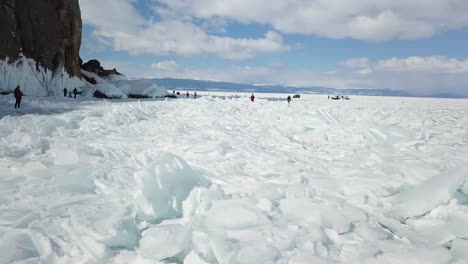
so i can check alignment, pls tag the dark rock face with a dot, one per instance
(91, 80)
(99, 94)
(94, 66)
(48, 31)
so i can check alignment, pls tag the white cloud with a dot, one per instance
(185, 39)
(359, 19)
(166, 65)
(431, 64)
(356, 63)
(110, 15)
(129, 31)
(416, 75)
(365, 71)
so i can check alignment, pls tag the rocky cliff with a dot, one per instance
(48, 31)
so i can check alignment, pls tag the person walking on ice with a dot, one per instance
(65, 91)
(289, 99)
(75, 92)
(18, 95)
(252, 98)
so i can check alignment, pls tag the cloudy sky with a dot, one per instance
(420, 46)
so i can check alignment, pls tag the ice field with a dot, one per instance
(224, 180)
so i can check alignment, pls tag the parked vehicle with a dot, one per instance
(339, 97)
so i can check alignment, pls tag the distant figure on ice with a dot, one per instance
(188, 94)
(69, 93)
(195, 95)
(75, 92)
(252, 98)
(65, 91)
(289, 99)
(173, 92)
(18, 95)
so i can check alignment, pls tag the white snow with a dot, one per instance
(140, 87)
(442, 188)
(162, 187)
(36, 80)
(459, 247)
(215, 180)
(119, 86)
(164, 241)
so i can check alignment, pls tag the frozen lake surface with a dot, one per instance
(215, 180)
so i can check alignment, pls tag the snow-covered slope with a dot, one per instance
(119, 86)
(38, 81)
(371, 180)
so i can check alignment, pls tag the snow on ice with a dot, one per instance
(35, 80)
(38, 81)
(213, 180)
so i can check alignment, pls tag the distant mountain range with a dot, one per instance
(199, 85)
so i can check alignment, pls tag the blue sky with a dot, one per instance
(419, 46)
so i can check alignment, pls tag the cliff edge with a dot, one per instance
(48, 31)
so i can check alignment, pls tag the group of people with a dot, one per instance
(65, 92)
(18, 93)
(187, 94)
(252, 98)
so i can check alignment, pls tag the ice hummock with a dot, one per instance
(426, 196)
(163, 186)
(372, 180)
